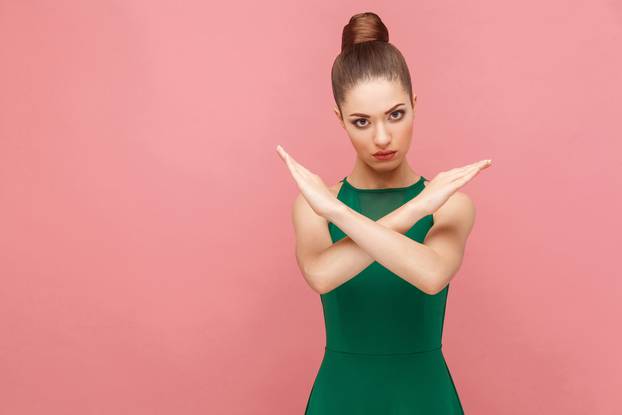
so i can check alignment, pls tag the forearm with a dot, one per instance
(345, 258)
(408, 259)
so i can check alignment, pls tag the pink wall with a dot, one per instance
(146, 244)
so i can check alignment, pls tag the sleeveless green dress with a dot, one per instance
(383, 335)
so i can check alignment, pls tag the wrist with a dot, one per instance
(338, 211)
(418, 208)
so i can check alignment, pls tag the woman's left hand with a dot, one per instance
(312, 187)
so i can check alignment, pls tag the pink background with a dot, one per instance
(147, 253)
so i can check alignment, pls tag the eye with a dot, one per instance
(401, 112)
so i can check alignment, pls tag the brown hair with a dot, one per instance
(367, 54)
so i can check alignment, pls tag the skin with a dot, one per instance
(429, 265)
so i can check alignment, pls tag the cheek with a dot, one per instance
(358, 143)
(404, 131)
(361, 144)
(403, 135)
(406, 125)
(359, 138)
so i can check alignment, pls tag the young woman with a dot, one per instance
(381, 245)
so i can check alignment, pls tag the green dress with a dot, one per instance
(383, 335)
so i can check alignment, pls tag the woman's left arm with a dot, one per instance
(428, 266)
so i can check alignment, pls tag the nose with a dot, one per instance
(382, 137)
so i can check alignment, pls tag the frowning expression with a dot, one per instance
(378, 117)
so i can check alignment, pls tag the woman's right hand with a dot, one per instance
(446, 183)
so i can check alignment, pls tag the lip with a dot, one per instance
(384, 156)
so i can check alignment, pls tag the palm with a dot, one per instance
(446, 183)
(312, 187)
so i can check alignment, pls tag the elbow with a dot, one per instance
(316, 283)
(432, 290)
(317, 286)
(321, 290)
(435, 290)
(320, 284)
(436, 285)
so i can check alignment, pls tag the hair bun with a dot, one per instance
(363, 27)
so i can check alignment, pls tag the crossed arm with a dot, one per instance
(429, 266)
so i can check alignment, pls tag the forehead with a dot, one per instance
(374, 96)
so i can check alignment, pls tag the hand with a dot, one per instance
(319, 197)
(438, 190)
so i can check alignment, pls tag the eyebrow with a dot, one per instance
(358, 114)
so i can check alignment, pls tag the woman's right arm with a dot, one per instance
(325, 265)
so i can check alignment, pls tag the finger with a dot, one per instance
(302, 170)
(467, 177)
(481, 165)
(460, 171)
(293, 170)
(457, 170)
(475, 168)
(476, 164)
(291, 163)
(295, 166)
(459, 177)
(288, 161)
(297, 171)
(282, 153)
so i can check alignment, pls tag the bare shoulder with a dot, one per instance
(335, 188)
(461, 201)
(458, 205)
(458, 210)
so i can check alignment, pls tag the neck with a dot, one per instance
(365, 177)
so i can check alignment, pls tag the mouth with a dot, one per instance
(384, 155)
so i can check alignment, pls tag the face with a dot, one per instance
(378, 116)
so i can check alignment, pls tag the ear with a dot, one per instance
(414, 102)
(338, 114)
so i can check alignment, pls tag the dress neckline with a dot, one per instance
(383, 189)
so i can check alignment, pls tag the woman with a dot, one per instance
(381, 245)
